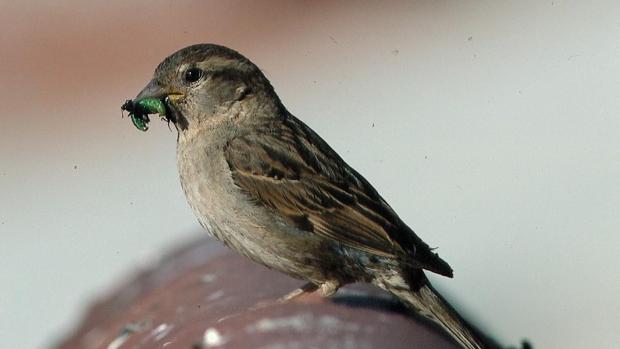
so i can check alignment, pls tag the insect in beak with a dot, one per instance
(140, 109)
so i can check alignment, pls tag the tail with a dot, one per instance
(424, 299)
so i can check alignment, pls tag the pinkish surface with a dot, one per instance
(206, 296)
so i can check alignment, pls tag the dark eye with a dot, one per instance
(192, 75)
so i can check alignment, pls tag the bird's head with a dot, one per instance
(200, 85)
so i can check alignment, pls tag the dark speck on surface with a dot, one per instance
(470, 38)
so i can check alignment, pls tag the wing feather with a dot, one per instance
(290, 169)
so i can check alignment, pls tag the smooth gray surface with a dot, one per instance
(495, 137)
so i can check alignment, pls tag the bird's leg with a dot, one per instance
(310, 291)
(307, 288)
(329, 287)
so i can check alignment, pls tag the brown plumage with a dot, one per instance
(265, 184)
(290, 169)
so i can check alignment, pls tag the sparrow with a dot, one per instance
(265, 184)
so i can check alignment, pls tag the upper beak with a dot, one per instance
(152, 90)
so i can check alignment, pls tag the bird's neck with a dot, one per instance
(229, 120)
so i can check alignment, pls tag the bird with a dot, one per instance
(265, 184)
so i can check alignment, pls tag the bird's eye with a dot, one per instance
(192, 75)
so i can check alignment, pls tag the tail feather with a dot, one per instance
(425, 300)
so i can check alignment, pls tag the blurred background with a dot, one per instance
(491, 127)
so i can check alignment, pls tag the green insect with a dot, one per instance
(139, 111)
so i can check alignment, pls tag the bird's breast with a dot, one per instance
(221, 207)
(232, 217)
(206, 182)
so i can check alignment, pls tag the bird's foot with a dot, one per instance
(308, 288)
(312, 293)
(308, 293)
(328, 288)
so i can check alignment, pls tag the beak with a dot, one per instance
(152, 90)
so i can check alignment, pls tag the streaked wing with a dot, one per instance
(290, 169)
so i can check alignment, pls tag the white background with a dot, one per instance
(490, 126)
